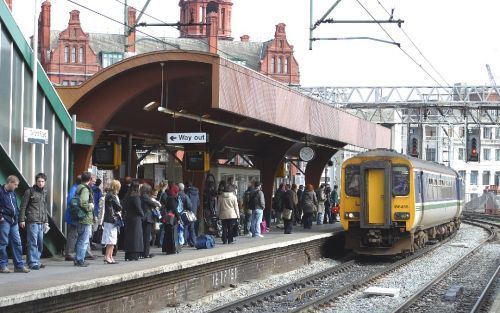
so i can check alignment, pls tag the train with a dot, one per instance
(393, 204)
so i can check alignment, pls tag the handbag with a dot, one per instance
(286, 214)
(188, 216)
(156, 226)
(118, 220)
(97, 236)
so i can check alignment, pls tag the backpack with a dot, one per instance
(75, 210)
(252, 201)
(204, 242)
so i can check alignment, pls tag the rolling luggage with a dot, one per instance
(171, 240)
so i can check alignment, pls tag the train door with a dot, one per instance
(376, 198)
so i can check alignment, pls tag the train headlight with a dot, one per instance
(351, 215)
(401, 216)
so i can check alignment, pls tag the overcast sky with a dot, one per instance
(458, 37)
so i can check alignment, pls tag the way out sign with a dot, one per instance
(35, 135)
(175, 138)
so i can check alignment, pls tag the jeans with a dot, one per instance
(248, 223)
(35, 243)
(328, 215)
(82, 242)
(10, 234)
(189, 233)
(256, 220)
(162, 234)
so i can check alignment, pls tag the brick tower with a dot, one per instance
(195, 11)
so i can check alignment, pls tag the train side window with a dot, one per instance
(400, 180)
(352, 180)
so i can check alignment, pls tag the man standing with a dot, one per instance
(84, 225)
(258, 210)
(9, 229)
(34, 210)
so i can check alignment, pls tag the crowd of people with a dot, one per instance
(133, 216)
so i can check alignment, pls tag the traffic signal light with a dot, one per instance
(473, 145)
(414, 146)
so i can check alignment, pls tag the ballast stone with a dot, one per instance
(453, 293)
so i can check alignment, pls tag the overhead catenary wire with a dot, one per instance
(414, 45)
(406, 53)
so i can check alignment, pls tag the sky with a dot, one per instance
(456, 36)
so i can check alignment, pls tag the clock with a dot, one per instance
(306, 153)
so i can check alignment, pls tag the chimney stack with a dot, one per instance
(131, 35)
(245, 38)
(44, 33)
(9, 4)
(213, 27)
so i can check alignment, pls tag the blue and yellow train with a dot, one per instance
(393, 204)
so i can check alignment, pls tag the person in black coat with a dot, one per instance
(147, 205)
(170, 218)
(288, 208)
(133, 244)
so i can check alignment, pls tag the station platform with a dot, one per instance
(164, 280)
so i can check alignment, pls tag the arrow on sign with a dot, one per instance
(173, 138)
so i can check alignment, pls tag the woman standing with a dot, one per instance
(308, 203)
(133, 244)
(148, 204)
(112, 208)
(228, 211)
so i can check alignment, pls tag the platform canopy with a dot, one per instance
(179, 91)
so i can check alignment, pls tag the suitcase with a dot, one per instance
(171, 240)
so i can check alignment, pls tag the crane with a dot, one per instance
(490, 74)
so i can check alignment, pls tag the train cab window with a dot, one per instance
(352, 180)
(400, 180)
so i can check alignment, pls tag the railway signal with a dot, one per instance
(473, 145)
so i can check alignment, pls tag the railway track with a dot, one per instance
(312, 293)
(419, 301)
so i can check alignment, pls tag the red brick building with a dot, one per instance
(71, 60)
(72, 56)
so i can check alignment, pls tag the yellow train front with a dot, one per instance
(393, 204)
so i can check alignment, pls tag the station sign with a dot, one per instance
(177, 138)
(36, 135)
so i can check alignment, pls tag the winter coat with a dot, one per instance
(34, 206)
(71, 194)
(194, 195)
(309, 201)
(287, 200)
(8, 206)
(260, 202)
(133, 225)
(228, 206)
(111, 206)
(97, 196)
(86, 199)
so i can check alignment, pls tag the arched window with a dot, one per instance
(80, 55)
(285, 69)
(66, 54)
(272, 65)
(73, 54)
(279, 64)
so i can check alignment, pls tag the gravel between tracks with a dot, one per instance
(411, 277)
(249, 288)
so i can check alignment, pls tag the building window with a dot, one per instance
(430, 132)
(73, 54)
(497, 133)
(497, 178)
(110, 58)
(223, 18)
(66, 54)
(461, 132)
(473, 178)
(461, 154)
(486, 177)
(487, 154)
(487, 133)
(80, 55)
(72, 83)
(286, 65)
(280, 43)
(272, 65)
(497, 154)
(200, 14)
(430, 154)
(462, 174)
(279, 64)
(65, 83)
